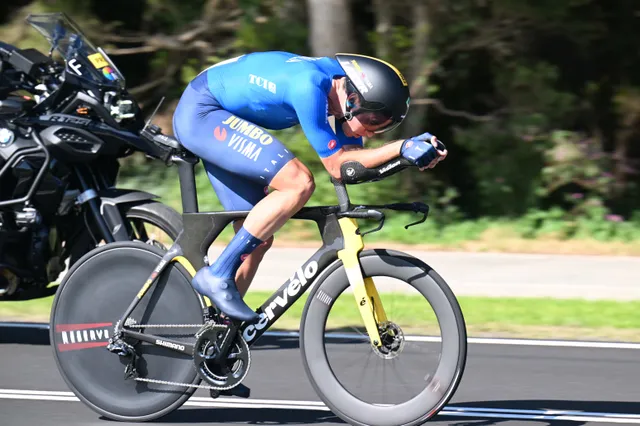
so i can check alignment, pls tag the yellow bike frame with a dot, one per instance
(364, 289)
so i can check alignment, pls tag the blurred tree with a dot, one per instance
(330, 27)
(508, 85)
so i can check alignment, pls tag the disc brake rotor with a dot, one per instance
(392, 340)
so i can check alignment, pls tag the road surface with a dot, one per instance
(505, 382)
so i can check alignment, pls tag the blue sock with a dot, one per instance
(229, 261)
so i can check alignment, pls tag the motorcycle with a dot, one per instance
(59, 152)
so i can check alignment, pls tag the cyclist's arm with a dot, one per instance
(368, 157)
(310, 103)
(353, 150)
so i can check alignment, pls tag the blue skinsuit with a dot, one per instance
(223, 112)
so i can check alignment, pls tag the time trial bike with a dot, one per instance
(133, 340)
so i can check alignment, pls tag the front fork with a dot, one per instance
(364, 290)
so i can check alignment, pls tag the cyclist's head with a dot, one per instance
(377, 93)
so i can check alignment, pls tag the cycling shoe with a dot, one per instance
(224, 294)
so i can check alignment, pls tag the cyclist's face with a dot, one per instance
(366, 122)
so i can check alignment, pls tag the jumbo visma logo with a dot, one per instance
(250, 130)
(248, 146)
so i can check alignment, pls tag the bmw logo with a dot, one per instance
(6, 137)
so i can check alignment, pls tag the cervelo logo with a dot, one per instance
(83, 336)
(169, 344)
(262, 82)
(297, 283)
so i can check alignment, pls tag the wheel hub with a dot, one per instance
(392, 340)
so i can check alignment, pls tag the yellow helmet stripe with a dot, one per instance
(397, 71)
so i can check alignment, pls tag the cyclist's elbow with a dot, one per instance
(334, 171)
(332, 164)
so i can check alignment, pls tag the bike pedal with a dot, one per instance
(241, 391)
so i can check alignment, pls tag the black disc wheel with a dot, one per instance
(412, 374)
(93, 296)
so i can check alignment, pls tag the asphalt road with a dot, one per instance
(493, 274)
(505, 382)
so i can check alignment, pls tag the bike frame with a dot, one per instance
(341, 240)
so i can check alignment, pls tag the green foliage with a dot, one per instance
(574, 161)
(262, 30)
(555, 76)
(271, 35)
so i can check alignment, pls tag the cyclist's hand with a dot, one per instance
(425, 151)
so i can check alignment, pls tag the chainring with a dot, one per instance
(231, 371)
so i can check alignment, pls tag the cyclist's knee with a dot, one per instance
(307, 186)
(295, 177)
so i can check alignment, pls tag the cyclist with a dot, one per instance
(222, 116)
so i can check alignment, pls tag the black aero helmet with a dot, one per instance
(377, 92)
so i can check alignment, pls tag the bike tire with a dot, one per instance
(426, 404)
(154, 213)
(157, 214)
(79, 331)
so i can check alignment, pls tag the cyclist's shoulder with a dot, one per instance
(310, 80)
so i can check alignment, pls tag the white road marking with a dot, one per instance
(585, 417)
(428, 339)
(476, 412)
(480, 340)
(550, 412)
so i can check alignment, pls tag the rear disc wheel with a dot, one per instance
(91, 299)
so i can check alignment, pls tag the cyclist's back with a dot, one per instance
(265, 87)
(231, 102)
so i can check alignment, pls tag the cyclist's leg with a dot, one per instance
(248, 152)
(292, 187)
(247, 271)
(236, 193)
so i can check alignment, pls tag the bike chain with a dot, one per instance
(164, 325)
(169, 383)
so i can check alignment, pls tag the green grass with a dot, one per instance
(438, 232)
(510, 317)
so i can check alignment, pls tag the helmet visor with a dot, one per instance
(373, 116)
(375, 121)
